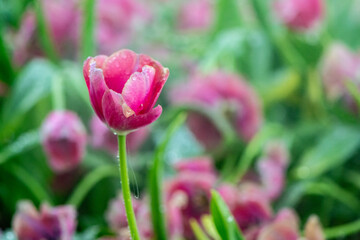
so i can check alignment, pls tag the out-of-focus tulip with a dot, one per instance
(124, 88)
(272, 169)
(197, 164)
(249, 205)
(284, 227)
(64, 140)
(63, 20)
(118, 21)
(313, 229)
(116, 218)
(49, 223)
(339, 66)
(103, 138)
(227, 93)
(189, 192)
(299, 14)
(196, 15)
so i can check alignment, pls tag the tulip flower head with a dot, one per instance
(188, 194)
(48, 223)
(226, 93)
(340, 65)
(64, 140)
(299, 15)
(124, 88)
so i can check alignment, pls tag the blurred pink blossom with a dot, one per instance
(102, 137)
(49, 223)
(299, 14)
(116, 218)
(63, 21)
(64, 140)
(248, 204)
(340, 65)
(283, 227)
(272, 169)
(118, 21)
(196, 15)
(188, 195)
(228, 94)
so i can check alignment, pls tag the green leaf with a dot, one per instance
(32, 85)
(198, 232)
(354, 91)
(253, 149)
(155, 179)
(227, 15)
(89, 181)
(88, 47)
(223, 219)
(7, 73)
(23, 143)
(340, 232)
(333, 150)
(208, 224)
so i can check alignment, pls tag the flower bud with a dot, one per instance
(225, 93)
(299, 14)
(64, 140)
(49, 223)
(124, 88)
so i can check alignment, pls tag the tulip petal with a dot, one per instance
(118, 68)
(137, 89)
(113, 109)
(97, 89)
(86, 67)
(161, 75)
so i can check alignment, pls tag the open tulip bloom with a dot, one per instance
(123, 90)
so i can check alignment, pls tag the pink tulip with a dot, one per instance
(49, 223)
(272, 169)
(124, 88)
(339, 66)
(64, 140)
(226, 93)
(189, 196)
(313, 229)
(299, 14)
(116, 218)
(63, 21)
(284, 227)
(103, 138)
(117, 22)
(197, 164)
(248, 204)
(196, 15)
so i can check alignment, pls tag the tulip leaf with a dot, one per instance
(227, 15)
(7, 72)
(208, 224)
(23, 143)
(331, 151)
(155, 179)
(198, 232)
(223, 219)
(33, 84)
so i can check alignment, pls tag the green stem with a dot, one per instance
(343, 230)
(124, 178)
(89, 182)
(44, 33)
